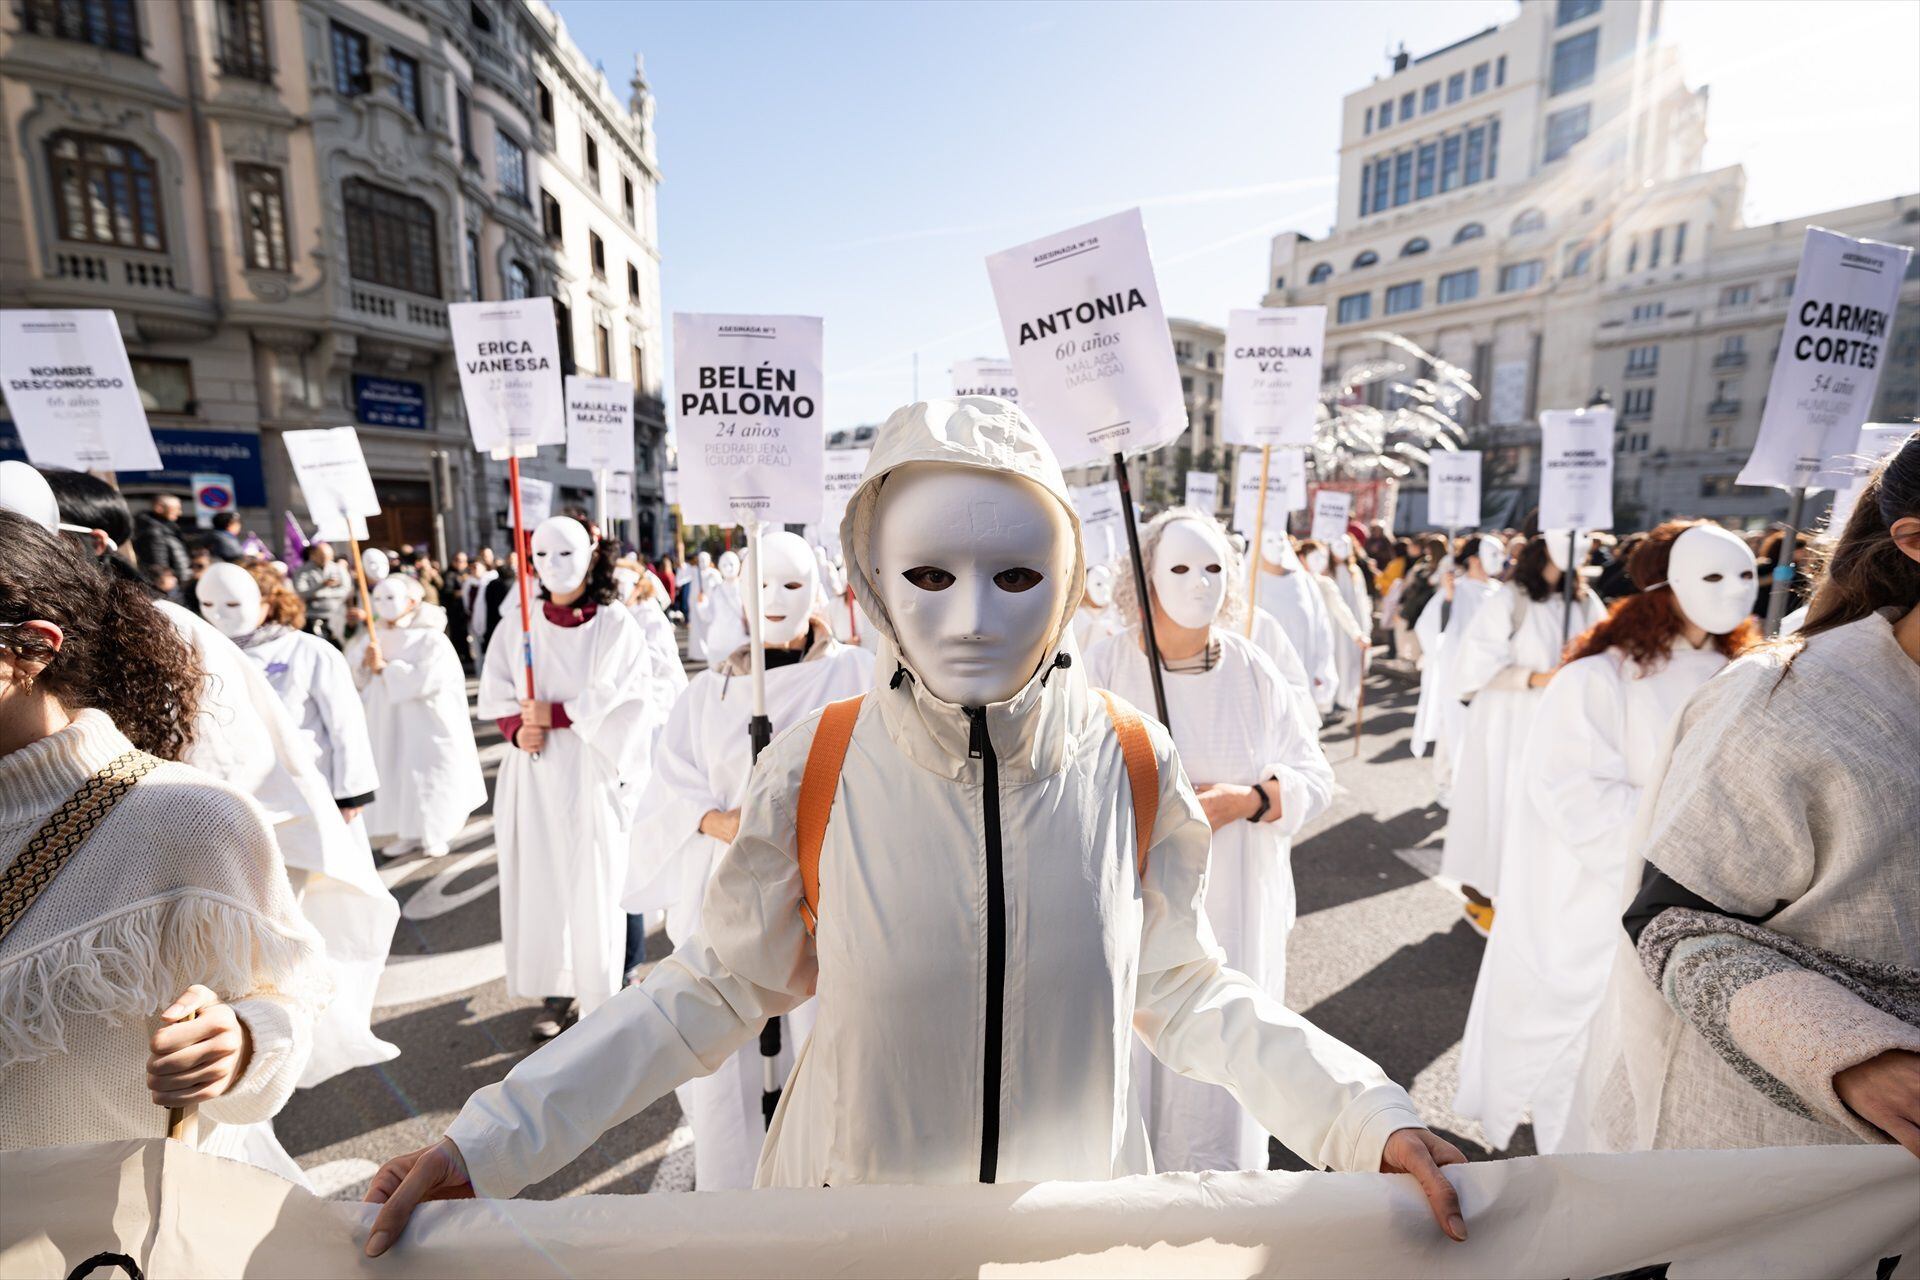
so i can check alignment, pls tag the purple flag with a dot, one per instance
(296, 541)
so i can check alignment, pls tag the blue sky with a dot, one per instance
(858, 161)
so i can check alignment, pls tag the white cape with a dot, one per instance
(1296, 604)
(422, 733)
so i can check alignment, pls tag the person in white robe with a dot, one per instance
(646, 600)
(1271, 639)
(415, 695)
(1096, 618)
(1350, 576)
(1348, 633)
(1439, 721)
(728, 629)
(1590, 757)
(1288, 592)
(1253, 752)
(702, 587)
(692, 805)
(1507, 655)
(564, 798)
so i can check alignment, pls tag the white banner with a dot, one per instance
(1089, 340)
(71, 391)
(1576, 469)
(748, 390)
(1203, 490)
(1331, 507)
(1848, 473)
(509, 356)
(985, 378)
(845, 468)
(333, 477)
(1453, 489)
(1771, 1214)
(599, 424)
(620, 495)
(670, 488)
(1286, 487)
(1103, 525)
(1830, 356)
(1272, 387)
(536, 502)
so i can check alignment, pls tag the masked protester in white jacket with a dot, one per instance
(985, 949)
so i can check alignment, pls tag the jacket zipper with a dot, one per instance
(980, 747)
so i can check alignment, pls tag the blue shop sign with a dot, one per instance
(183, 453)
(389, 402)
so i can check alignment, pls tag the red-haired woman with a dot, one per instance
(1595, 746)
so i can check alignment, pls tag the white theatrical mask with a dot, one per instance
(230, 600)
(1712, 575)
(704, 560)
(394, 598)
(1100, 586)
(1557, 547)
(562, 553)
(1276, 548)
(26, 491)
(1316, 561)
(789, 579)
(973, 567)
(626, 580)
(729, 566)
(374, 563)
(1342, 547)
(1189, 572)
(1493, 556)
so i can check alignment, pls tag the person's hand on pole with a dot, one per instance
(720, 824)
(530, 739)
(538, 715)
(372, 659)
(199, 1053)
(1421, 1153)
(1885, 1092)
(437, 1172)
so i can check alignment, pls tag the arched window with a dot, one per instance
(1320, 273)
(391, 239)
(1416, 245)
(105, 192)
(1530, 220)
(519, 280)
(1366, 259)
(1472, 231)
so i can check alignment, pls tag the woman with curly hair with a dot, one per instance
(162, 962)
(1593, 751)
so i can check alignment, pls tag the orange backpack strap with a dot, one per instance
(817, 787)
(1143, 772)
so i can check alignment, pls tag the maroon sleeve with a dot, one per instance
(558, 713)
(509, 725)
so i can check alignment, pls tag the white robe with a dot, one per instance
(702, 763)
(422, 733)
(702, 602)
(658, 630)
(1439, 721)
(1350, 653)
(1346, 643)
(1489, 816)
(561, 820)
(1295, 602)
(1091, 626)
(1237, 723)
(728, 629)
(1596, 742)
(1272, 641)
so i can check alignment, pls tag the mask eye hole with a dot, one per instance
(1714, 577)
(1213, 568)
(928, 578)
(1018, 580)
(791, 586)
(1178, 568)
(1746, 575)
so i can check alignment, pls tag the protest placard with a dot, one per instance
(599, 423)
(985, 378)
(1286, 488)
(70, 388)
(1330, 510)
(747, 395)
(1203, 490)
(1453, 489)
(509, 359)
(333, 477)
(1576, 469)
(1271, 391)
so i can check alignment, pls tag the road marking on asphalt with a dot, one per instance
(412, 979)
(337, 1177)
(433, 899)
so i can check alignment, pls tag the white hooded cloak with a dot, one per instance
(1295, 602)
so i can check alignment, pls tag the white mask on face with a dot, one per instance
(1100, 586)
(1315, 560)
(789, 577)
(973, 567)
(1276, 548)
(1342, 548)
(562, 553)
(230, 600)
(393, 599)
(373, 561)
(1712, 575)
(729, 566)
(704, 560)
(1189, 573)
(1557, 547)
(625, 580)
(1493, 557)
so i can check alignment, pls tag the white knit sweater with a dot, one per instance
(181, 883)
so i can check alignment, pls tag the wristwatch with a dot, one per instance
(1266, 803)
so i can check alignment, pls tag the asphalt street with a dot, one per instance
(1381, 956)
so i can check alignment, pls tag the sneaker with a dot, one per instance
(433, 850)
(400, 848)
(555, 1016)
(1481, 918)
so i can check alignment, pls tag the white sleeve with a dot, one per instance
(1484, 649)
(350, 767)
(1575, 763)
(501, 683)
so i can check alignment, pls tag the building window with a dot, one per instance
(1573, 62)
(1365, 258)
(1406, 106)
(1456, 87)
(1368, 126)
(1186, 385)
(105, 192)
(1425, 170)
(563, 326)
(482, 20)
(639, 368)
(406, 82)
(1564, 128)
(510, 167)
(519, 281)
(349, 62)
(602, 351)
(1459, 286)
(550, 218)
(243, 41)
(1450, 162)
(597, 252)
(1382, 168)
(1416, 245)
(633, 284)
(463, 121)
(1649, 311)
(1386, 113)
(1354, 308)
(1516, 276)
(1643, 360)
(1476, 155)
(1733, 352)
(1579, 260)
(592, 150)
(1402, 178)
(1430, 98)
(626, 198)
(1786, 282)
(1574, 10)
(1679, 242)
(1654, 246)
(1736, 295)
(1471, 231)
(1718, 486)
(110, 24)
(166, 386)
(1636, 404)
(1500, 71)
(391, 239)
(473, 266)
(263, 210)
(1529, 220)
(1403, 297)
(545, 96)
(1480, 78)
(1321, 273)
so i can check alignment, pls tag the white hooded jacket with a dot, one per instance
(980, 980)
